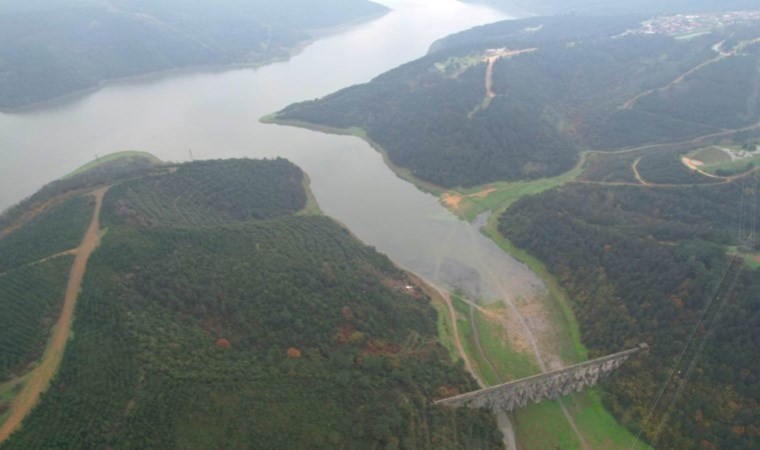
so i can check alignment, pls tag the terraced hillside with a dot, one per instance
(215, 314)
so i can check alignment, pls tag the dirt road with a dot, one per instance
(721, 56)
(491, 60)
(503, 421)
(699, 140)
(489, 82)
(38, 380)
(643, 183)
(635, 168)
(527, 332)
(630, 103)
(458, 340)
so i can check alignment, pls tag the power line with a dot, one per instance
(713, 297)
(700, 350)
(724, 302)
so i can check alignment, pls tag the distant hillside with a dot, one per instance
(548, 7)
(518, 99)
(218, 312)
(49, 48)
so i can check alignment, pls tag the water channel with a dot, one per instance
(214, 114)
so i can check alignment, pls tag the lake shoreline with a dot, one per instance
(556, 298)
(402, 172)
(298, 48)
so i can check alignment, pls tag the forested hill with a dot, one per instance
(49, 48)
(518, 99)
(545, 7)
(220, 311)
(650, 264)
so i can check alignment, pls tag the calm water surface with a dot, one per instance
(215, 115)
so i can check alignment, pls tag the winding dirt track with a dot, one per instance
(635, 168)
(458, 340)
(688, 162)
(482, 352)
(721, 56)
(38, 380)
(630, 103)
(503, 421)
(643, 183)
(699, 140)
(528, 332)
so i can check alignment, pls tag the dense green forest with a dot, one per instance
(229, 321)
(50, 48)
(30, 298)
(55, 230)
(127, 165)
(208, 193)
(667, 167)
(581, 82)
(641, 265)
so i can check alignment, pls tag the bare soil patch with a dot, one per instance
(453, 200)
(693, 164)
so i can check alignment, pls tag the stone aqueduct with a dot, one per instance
(546, 386)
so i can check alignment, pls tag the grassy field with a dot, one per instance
(717, 161)
(312, 207)
(503, 194)
(710, 155)
(733, 167)
(445, 328)
(510, 365)
(751, 260)
(113, 157)
(544, 425)
(563, 318)
(455, 66)
(541, 425)
(467, 336)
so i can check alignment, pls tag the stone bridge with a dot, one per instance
(550, 385)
